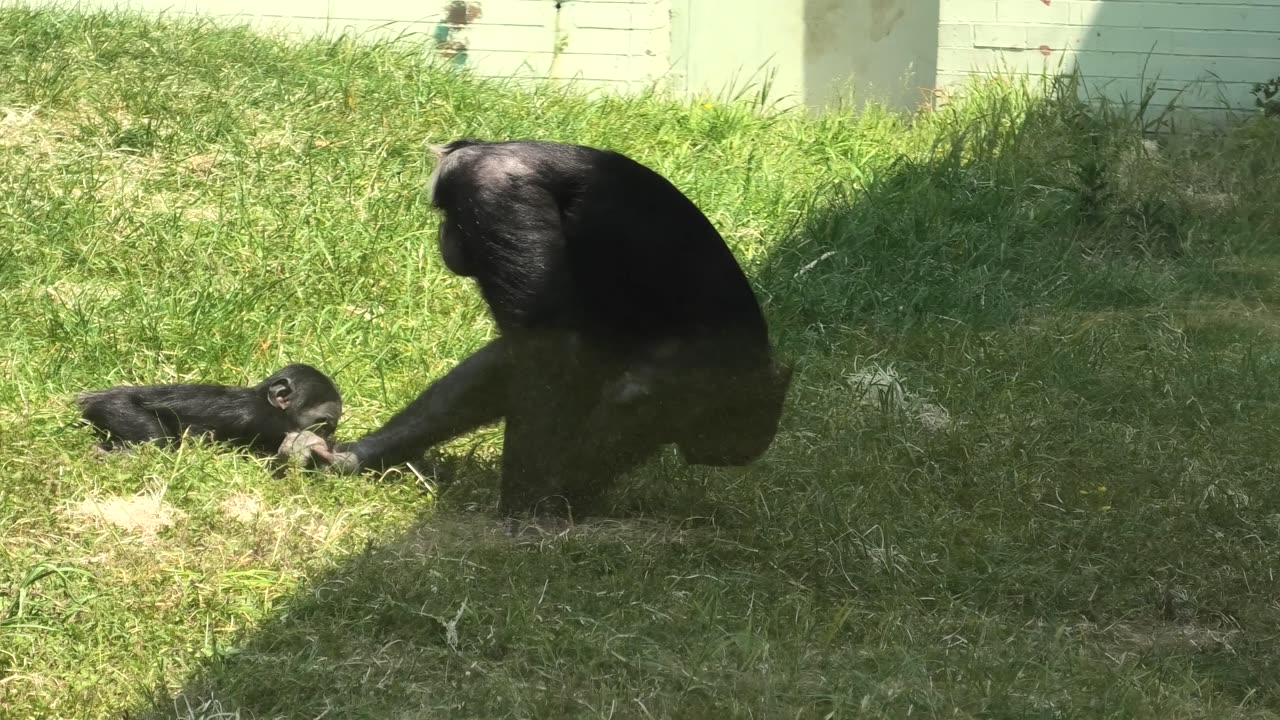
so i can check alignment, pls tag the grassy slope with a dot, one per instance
(1094, 533)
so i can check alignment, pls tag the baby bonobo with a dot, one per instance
(296, 397)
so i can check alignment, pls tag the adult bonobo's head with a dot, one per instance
(306, 396)
(737, 425)
(443, 198)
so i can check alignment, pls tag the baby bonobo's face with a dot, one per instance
(309, 398)
(321, 419)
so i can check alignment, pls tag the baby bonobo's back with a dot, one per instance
(296, 397)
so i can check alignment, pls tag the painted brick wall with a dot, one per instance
(1213, 51)
(603, 43)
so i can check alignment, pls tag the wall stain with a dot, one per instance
(884, 15)
(559, 42)
(820, 33)
(824, 22)
(450, 42)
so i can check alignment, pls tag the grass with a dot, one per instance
(1027, 471)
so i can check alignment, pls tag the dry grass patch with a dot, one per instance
(141, 517)
(242, 507)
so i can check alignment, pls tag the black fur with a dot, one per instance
(296, 397)
(625, 322)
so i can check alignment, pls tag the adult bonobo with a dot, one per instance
(625, 324)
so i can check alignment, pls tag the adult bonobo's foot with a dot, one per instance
(308, 449)
(537, 525)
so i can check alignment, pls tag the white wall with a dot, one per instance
(1120, 45)
(610, 43)
(816, 47)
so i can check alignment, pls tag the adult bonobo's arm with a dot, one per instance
(501, 225)
(469, 396)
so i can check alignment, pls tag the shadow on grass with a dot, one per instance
(1019, 212)
(1024, 202)
(454, 617)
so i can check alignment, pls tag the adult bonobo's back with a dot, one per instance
(645, 264)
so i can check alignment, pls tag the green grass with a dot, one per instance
(1074, 516)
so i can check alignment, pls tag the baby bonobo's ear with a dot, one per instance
(278, 393)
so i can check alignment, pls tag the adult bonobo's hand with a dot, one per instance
(309, 450)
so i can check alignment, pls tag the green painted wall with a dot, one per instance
(721, 46)
(818, 50)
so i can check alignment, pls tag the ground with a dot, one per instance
(1027, 469)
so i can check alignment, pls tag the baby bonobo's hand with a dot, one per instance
(309, 450)
(305, 448)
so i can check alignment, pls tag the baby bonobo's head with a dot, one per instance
(307, 397)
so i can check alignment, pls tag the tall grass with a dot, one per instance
(1027, 469)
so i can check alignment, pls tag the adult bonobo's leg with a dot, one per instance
(733, 414)
(617, 438)
(548, 421)
(715, 414)
(533, 444)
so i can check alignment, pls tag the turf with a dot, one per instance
(1027, 468)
